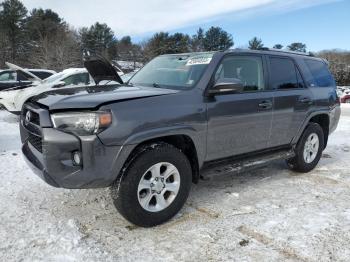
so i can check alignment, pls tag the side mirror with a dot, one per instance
(226, 86)
(59, 84)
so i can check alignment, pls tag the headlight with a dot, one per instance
(82, 123)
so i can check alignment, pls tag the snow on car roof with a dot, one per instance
(41, 70)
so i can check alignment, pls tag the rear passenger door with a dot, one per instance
(292, 99)
(240, 123)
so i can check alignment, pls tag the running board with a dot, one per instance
(240, 164)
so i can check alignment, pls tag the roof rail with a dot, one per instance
(287, 51)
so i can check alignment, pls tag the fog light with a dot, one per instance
(76, 157)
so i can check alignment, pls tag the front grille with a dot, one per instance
(36, 142)
(32, 124)
(34, 117)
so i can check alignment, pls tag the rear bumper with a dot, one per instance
(100, 164)
(334, 116)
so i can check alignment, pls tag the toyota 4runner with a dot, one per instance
(179, 118)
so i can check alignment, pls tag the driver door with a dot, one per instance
(240, 123)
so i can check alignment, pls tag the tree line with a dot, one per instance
(41, 38)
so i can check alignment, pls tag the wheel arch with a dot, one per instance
(322, 118)
(323, 121)
(187, 139)
(181, 141)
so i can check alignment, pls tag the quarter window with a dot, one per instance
(320, 73)
(248, 69)
(284, 74)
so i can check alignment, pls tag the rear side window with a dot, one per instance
(320, 73)
(284, 74)
(22, 76)
(41, 75)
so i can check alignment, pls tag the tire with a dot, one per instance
(127, 192)
(305, 161)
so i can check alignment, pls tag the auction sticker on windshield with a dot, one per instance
(199, 60)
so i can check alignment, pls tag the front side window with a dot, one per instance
(78, 79)
(54, 78)
(181, 71)
(284, 74)
(248, 69)
(320, 73)
(8, 76)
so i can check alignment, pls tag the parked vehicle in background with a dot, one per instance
(345, 98)
(13, 99)
(16, 76)
(179, 117)
(127, 76)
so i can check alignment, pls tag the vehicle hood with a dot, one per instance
(89, 97)
(18, 68)
(100, 69)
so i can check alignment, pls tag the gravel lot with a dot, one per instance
(269, 214)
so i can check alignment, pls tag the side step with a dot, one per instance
(239, 164)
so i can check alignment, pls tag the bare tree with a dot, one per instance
(57, 52)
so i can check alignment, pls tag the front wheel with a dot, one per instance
(154, 186)
(308, 150)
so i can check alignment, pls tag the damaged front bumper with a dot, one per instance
(49, 152)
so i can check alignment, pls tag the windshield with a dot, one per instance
(173, 71)
(54, 78)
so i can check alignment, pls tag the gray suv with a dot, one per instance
(178, 119)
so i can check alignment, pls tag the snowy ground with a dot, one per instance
(270, 214)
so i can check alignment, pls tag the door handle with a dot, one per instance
(305, 100)
(265, 104)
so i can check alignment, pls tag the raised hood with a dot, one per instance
(99, 68)
(90, 97)
(18, 68)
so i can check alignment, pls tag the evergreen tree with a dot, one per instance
(197, 41)
(12, 18)
(179, 43)
(98, 38)
(278, 46)
(217, 39)
(163, 43)
(299, 47)
(43, 23)
(256, 44)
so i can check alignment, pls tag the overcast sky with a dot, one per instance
(140, 18)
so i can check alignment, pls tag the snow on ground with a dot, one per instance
(270, 214)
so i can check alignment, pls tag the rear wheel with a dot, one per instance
(154, 186)
(308, 150)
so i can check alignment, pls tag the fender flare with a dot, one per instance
(198, 138)
(305, 123)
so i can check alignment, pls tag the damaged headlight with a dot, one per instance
(82, 123)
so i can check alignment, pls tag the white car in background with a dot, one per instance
(14, 98)
(16, 76)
